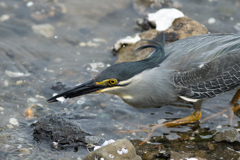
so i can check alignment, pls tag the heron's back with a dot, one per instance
(194, 51)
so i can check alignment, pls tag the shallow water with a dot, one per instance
(44, 61)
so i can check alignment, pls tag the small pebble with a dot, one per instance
(4, 17)
(6, 83)
(224, 115)
(29, 4)
(55, 144)
(19, 146)
(10, 126)
(211, 20)
(16, 74)
(99, 40)
(1, 108)
(24, 150)
(20, 82)
(14, 121)
(160, 121)
(33, 100)
(210, 146)
(192, 138)
(219, 126)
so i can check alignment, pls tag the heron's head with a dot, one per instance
(116, 78)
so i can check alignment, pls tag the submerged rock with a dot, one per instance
(181, 28)
(45, 9)
(228, 135)
(60, 130)
(121, 149)
(46, 30)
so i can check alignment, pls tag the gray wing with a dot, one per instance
(217, 76)
(194, 51)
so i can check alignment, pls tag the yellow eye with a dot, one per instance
(112, 81)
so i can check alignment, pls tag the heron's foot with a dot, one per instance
(232, 108)
(195, 116)
(142, 128)
(214, 115)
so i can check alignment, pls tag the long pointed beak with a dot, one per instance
(82, 89)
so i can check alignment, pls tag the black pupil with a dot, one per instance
(112, 82)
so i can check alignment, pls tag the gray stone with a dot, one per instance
(122, 149)
(228, 135)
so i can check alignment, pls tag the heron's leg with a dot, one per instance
(195, 116)
(234, 106)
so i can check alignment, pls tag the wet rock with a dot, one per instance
(60, 86)
(3, 155)
(200, 153)
(210, 146)
(14, 121)
(181, 28)
(122, 149)
(60, 130)
(228, 135)
(185, 137)
(46, 30)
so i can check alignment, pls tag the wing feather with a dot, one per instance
(215, 77)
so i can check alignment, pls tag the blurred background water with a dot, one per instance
(47, 41)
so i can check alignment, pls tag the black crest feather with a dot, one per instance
(126, 70)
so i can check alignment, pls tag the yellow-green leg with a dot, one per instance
(195, 116)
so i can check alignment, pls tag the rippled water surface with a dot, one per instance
(77, 47)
